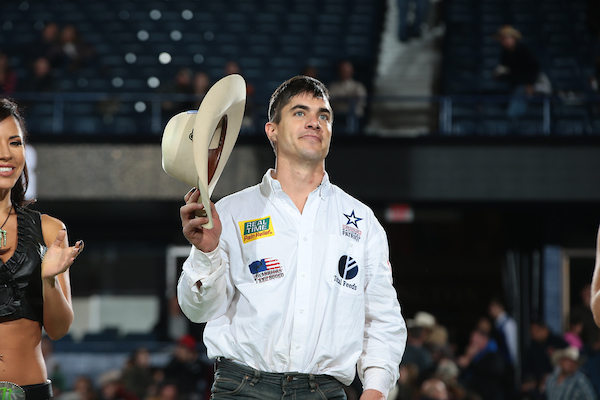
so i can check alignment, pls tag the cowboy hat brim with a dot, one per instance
(197, 145)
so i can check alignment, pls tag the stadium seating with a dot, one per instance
(272, 40)
(554, 29)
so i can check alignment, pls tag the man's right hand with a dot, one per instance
(205, 240)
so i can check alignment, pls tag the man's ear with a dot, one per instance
(271, 131)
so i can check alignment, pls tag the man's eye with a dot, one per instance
(16, 143)
(324, 117)
(299, 113)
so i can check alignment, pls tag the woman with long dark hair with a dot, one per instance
(34, 271)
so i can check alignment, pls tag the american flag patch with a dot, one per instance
(266, 269)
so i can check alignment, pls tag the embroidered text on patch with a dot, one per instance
(256, 229)
(349, 230)
(266, 269)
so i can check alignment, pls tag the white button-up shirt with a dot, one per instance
(306, 292)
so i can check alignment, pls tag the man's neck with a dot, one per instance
(298, 181)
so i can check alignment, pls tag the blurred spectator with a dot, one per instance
(310, 70)
(482, 367)
(168, 391)
(536, 363)
(567, 382)
(137, 375)
(573, 335)
(73, 52)
(406, 387)
(348, 99)
(484, 325)
(200, 86)
(504, 333)
(181, 84)
(48, 44)
(83, 389)
(439, 347)
(8, 77)
(41, 78)
(448, 372)
(591, 365)
(520, 68)
(158, 381)
(590, 332)
(111, 387)
(434, 389)
(186, 370)
(416, 353)
(412, 18)
(232, 67)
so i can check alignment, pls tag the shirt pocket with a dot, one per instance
(345, 267)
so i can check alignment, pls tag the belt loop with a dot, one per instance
(312, 382)
(256, 377)
(216, 364)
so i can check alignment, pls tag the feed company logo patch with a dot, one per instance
(256, 229)
(266, 269)
(350, 229)
(347, 270)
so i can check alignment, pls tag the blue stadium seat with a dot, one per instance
(569, 127)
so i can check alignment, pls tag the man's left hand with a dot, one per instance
(372, 394)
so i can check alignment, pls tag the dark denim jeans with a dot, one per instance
(235, 381)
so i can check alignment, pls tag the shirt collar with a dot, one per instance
(270, 187)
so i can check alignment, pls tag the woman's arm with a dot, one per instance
(56, 288)
(596, 284)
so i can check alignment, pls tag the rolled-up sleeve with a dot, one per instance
(385, 330)
(206, 301)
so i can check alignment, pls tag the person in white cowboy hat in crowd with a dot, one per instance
(293, 279)
(521, 69)
(416, 352)
(567, 382)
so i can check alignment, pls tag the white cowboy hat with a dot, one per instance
(197, 145)
(571, 352)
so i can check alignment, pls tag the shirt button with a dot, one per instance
(303, 274)
(297, 347)
(301, 311)
(305, 238)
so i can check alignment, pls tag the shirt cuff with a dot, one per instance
(201, 266)
(378, 379)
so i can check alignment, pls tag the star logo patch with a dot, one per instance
(352, 219)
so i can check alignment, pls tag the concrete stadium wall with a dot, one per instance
(375, 172)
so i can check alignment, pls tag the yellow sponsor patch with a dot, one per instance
(256, 229)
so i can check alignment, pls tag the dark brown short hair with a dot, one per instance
(300, 84)
(9, 108)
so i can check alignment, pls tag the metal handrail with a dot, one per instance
(446, 104)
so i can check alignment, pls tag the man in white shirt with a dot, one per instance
(293, 280)
(348, 98)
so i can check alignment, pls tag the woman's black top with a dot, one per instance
(20, 276)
